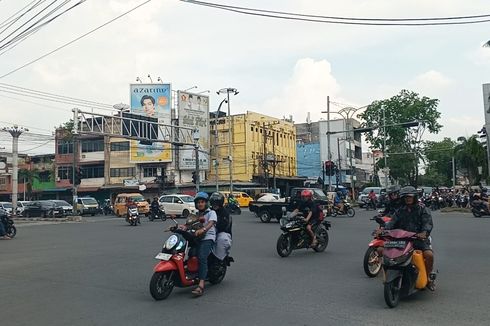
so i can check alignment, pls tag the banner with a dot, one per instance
(194, 113)
(152, 101)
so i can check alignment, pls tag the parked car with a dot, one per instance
(21, 205)
(242, 198)
(6, 206)
(120, 208)
(365, 193)
(180, 205)
(42, 208)
(65, 206)
(87, 205)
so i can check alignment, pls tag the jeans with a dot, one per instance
(205, 247)
(2, 228)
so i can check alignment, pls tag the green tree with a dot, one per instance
(470, 154)
(438, 158)
(66, 130)
(28, 177)
(403, 145)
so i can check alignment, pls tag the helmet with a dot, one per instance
(408, 191)
(200, 196)
(393, 189)
(307, 194)
(217, 199)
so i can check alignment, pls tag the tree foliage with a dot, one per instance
(438, 159)
(403, 145)
(28, 176)
(471, 154)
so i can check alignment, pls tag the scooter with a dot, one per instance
(8, 223)
(154, 214)
(404, 267)
(479, 209)
(133, 216)
(372, 261)
(178, 264)
(234, 208)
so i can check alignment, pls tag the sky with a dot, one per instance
(280, 67)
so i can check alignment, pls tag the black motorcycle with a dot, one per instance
(347, 210)
(234, 209)
(479, 209)
(294, 235)
(8, 224)
(157, 213)
(107, 208)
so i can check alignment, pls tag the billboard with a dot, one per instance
(194, 113)
(153, 101)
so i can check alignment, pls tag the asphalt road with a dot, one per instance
(97, 273)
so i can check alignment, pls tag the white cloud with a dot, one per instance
(431, 83)
(306, 91)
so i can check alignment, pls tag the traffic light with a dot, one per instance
(330, 168)
(78, 176)
(194, 177)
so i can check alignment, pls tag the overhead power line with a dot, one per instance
(425, 21)
(74, 40)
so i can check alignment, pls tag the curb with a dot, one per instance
(49, 219)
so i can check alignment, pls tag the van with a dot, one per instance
(242, 198)
(87, 205)
(120, 208)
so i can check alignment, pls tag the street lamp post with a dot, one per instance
(227, 91)
(15, 132)
(216, 148)
(196, 149)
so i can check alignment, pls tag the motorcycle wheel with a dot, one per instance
(265, 217)
(238, 211)
(11, 231)
(371, 268)
(392, 293)
(284, 246)
(334, 213)
(163, 217)
(351, 212)
(151, 217)
(161, 285)
(476, 213)
(322, 238)
(216, 273)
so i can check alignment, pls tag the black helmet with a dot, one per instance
(408, 191)
(393, 189)
(217, 199)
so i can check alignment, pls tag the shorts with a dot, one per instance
(422, 245)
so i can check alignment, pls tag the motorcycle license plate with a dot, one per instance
(162, 256)
(395, 244)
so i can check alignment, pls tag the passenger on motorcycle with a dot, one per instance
(393, 203)
(414, 217)
(208, 234)
(223, 226)
(310, 212)
(372, 199)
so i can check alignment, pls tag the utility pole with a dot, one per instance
(384, 145)
(216, 147)
(329, 156)
(75, 156)
(339, 167)
(264, 156)
(15, 132)
(196, 137)
(454, 170)
(352, 172)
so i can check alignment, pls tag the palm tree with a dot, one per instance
(487, 44)
(28, 176)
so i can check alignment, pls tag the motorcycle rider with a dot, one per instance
(131, 204)
(338, 201)
(372, 199)
(208, 234)
(232, 202)
(414, 217)
(223, 226)
(310, 212)
(155, 206)
(393, 203)
(3, 231)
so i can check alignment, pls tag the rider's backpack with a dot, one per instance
(321, 215)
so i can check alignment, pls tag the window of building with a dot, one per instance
(44, 176)
(120, 146)
(252, 129)
(149, 172)
(65, 147)
(92, 171)
(3, 181)
(93, 145)
(123, 172)
(65, 172)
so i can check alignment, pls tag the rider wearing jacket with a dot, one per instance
(155, 206)
(208, 234)
(414, 217)
(394, 202)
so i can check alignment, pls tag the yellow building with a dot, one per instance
(254, 136)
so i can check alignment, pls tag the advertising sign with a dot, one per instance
(194, 113)
(151, 101)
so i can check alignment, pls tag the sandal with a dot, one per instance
(431, 285)
(198, 291)
(314, 244)
(5, 238)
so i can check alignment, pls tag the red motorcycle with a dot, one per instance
(372, 260)
(179, 265)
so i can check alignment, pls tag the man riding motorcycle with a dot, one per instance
(155, 206)
(3, 231)
(223, 226)
(414, 217)
(338, 201)
(310, 212)
(208, 234)
(393, 203)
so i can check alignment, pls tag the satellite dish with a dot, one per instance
(142, 187)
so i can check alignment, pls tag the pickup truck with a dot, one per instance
(266, 211)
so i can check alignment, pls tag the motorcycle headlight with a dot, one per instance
(283, 222)
(171, 242)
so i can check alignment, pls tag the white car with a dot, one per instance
(180, 205)
(21, 205)
(6, 206)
